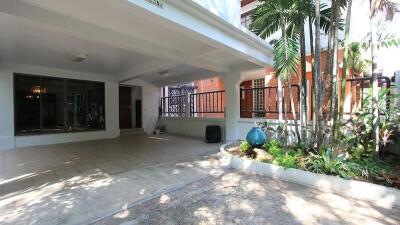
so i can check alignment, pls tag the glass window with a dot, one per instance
(49, 105)
(95, 106)
(76, 105)
(27, 104)
(52, 107)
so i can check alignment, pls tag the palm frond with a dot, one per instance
(286, 57)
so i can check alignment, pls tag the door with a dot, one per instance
(138, 107)
(125, 107)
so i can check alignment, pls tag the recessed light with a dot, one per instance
(80, 57)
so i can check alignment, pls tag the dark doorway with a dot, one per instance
(138, 107)
(125, 107)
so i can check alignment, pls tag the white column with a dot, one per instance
(7, 109)
(232, 105)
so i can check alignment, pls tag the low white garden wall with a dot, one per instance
(191, 127)
(379, 195)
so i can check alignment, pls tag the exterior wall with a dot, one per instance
(7, 137)
(209, 85)
(151, 95)
(351, 98)
(227, 9)
(191, 127)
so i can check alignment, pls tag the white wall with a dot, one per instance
(151, 95)
(7, 138)
(192, 127)
(227, 9)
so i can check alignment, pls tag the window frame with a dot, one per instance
(65, 80)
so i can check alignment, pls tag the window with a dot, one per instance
(259, 97)
(246, 19)
(53, 105)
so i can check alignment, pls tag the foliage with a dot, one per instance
(275, 131)
(282, 157)
(357, 131)
(245, 146)
(355, 61)
(372, 168)
(328, 162)
(286, 57)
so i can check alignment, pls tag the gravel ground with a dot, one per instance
(241, 198)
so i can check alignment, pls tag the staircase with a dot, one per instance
(132, 131)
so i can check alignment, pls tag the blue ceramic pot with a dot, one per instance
(256, 137)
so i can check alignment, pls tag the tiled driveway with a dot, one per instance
(163, 180)
(76, 183)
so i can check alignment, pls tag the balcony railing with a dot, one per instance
(206, 104)
(263, 102)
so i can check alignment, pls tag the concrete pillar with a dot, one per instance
(232, 107)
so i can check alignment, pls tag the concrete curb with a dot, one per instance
(379, 195)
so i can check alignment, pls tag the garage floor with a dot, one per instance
(77, 183)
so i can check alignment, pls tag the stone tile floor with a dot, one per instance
(240, 198)
(76, 183)
(159, 180)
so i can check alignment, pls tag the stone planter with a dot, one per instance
(380, 195)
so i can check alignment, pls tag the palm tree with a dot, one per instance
(387, 7)
(345, 61)
(269, 17)
(317, 66)
(290, 15)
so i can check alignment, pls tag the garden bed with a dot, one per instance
(233, 156)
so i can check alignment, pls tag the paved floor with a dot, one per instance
(239, 198)
(159, 180)
(77, 183)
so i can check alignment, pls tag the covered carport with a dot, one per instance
(120, 42)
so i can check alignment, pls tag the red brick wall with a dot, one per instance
(210, 102)
(271, 96)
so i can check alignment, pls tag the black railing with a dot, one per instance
(174, 106)
(207, 102)
(364, 83)
(261, 101)
(199, 104)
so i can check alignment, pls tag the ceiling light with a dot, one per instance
(80, 57)
(164, 73)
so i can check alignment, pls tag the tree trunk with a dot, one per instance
(318, 72)
(345, 60)
(375, 91)
(303, 88)
(313, 78)
(329, 59)
(293, 109)
(285, 126)
(334, 69)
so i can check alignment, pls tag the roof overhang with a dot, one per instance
(181, 34)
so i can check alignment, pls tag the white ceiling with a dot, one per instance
(23, 42)
(121, 40)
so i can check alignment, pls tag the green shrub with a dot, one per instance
(329, 163)
(245, 146)
(287, 160)
(282, 157)
(372, 168)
